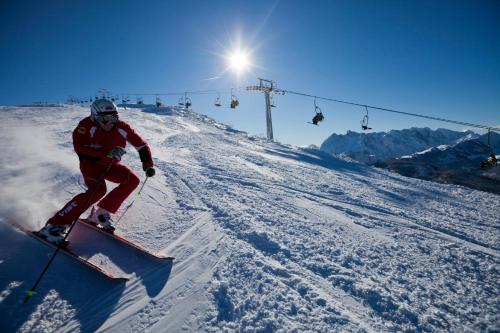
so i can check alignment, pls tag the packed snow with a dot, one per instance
(267, 237)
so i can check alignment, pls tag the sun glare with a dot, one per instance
(238, 61)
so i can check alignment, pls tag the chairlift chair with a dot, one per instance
(188, 102)
(158, 102)
(181, 101)
(492, 159)
(217, 102)
(234, 101)
(125, 100)
(318, 117)
(489, 142)
(364, 121)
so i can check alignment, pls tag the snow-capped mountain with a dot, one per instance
(438, 155)
(455, 164)
(267, 238)
(381, 146)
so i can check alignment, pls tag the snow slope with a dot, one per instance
(267, 238)
(381, 146)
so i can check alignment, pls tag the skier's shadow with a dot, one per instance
(69, 294)
(121, 258)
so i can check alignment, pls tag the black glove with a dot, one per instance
(116, 153)
(150, 172)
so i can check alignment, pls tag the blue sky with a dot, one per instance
(440, 58)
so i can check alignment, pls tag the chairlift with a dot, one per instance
(271, 102)
(489, 141)
(217, 101)
(181, 101)
(140, 101)
(158, 102)
(234, 101)
(188, 103)
(492, 159)
(125, 100)
(318, 117)
(364, 122)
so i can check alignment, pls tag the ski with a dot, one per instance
(71, 254)
(123, 240)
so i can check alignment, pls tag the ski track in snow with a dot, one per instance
(267, 238)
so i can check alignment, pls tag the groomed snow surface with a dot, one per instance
(267, 238)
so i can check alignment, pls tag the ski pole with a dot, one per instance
(32, 291)
(130, 205)
(143, 183)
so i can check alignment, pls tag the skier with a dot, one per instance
(490, 161)
(99, 141)
(317, 118)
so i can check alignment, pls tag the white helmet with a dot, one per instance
(102, 107)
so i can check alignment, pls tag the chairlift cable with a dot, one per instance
(231, 90)
(492, 128)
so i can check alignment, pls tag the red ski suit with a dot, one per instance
(92, 143)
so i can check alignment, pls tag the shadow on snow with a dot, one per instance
(91, 298)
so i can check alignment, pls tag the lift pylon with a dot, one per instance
(268, 87)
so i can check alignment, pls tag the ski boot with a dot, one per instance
(102, 218)
(54, 234)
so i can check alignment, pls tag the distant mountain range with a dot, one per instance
(438, 155)
(380, 146)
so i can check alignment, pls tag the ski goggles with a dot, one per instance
(107, 118)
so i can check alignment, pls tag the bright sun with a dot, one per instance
(238, 61)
